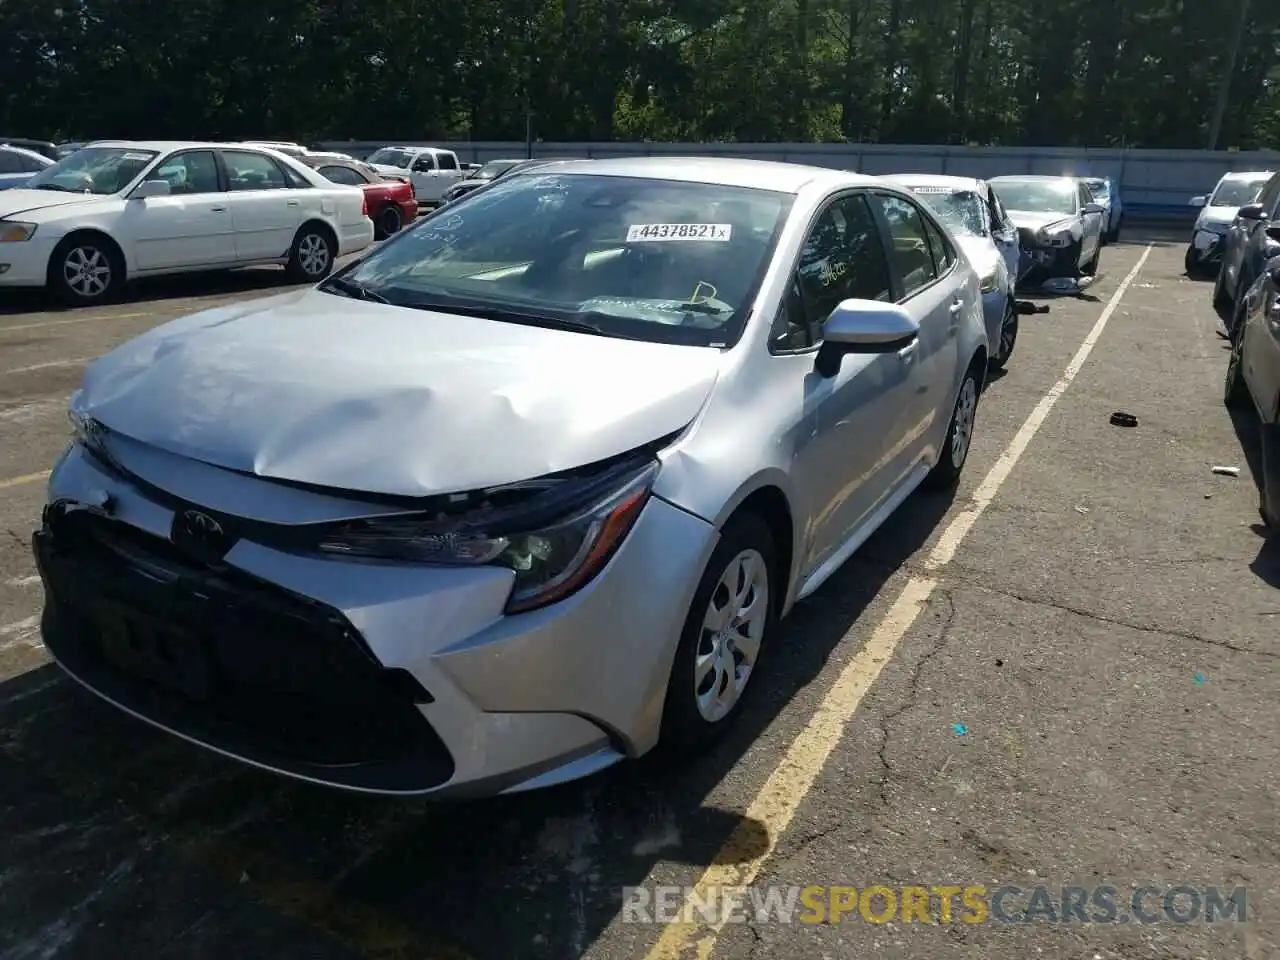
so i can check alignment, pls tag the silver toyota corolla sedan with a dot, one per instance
(523, 491)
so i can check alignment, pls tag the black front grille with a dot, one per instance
(228, 659)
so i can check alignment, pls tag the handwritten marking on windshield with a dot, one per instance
(654, 232)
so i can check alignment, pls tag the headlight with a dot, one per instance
(989, 282)
(1059, 238)
(554, 542)
(14, 231)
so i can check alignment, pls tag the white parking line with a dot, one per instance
(743, 856)
(25, 478)
(48, 365)
(22, 581)
(64, 323)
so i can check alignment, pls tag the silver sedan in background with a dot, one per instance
(971, 211)
(523, 491)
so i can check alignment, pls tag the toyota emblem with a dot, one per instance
(201, 527)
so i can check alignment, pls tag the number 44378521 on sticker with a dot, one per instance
(647, 232)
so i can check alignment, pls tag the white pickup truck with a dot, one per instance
(431, 170)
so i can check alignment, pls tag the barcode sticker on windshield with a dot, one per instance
(136, 156)
(647, 232)
(933, 190)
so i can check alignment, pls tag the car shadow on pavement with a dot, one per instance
(1266, 565)
(229, 282)
(531, 875)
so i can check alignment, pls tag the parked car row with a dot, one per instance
(113, 211)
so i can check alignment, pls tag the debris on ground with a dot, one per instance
(1227, 471)
(960, 729)
(1122, 419)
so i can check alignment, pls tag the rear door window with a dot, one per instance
(912, 258)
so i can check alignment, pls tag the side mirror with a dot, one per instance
(864, 326)
(1273, 234)
(150, 188)
(1199, 201)
(1252, 211)
(1094, 208)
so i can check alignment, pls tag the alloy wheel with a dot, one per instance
(732, 631)
(962, 432)
(313, 254)
(87, 271)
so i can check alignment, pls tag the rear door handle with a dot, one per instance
(218, 209)
(293, 203)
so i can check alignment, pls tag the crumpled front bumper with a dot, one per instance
(1053, 268)
(373, 677)
(1206, 247)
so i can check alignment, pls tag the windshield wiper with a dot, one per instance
(353, 289)
(53, 186)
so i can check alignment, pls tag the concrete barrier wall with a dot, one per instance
(1154, 183)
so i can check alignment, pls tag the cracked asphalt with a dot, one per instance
(1084, 701)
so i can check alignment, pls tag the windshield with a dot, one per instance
(1236, 193)
(391, 157)
(960, 210)
(637, 258)
(99, 170)
(1099, 188)
(1037, 196)
(493, 168)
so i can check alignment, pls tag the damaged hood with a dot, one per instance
(1033, 220)
(21, 200)
(321, 389)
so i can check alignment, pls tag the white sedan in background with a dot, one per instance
(971, 210)
(118, 210)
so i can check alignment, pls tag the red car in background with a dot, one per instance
(390, 200)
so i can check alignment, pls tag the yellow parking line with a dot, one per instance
(743, 856)
(26, 478)
(63, 323)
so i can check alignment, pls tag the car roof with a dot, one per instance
(720, 171)
(936, 180)
(1034, 178)
(162, 146)
(23, 151)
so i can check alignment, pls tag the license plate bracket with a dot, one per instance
(151, 649)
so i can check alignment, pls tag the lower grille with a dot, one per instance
(230, 660)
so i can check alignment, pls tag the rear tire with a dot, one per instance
(715, 641)
(955, 448)
(390, 221)
(1003, 349)
(311, 258)
(1191, 264)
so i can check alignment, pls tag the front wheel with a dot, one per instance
(1091, 268)
(85, 271)
(731, 616)
(312, 256)
(1235, 392)
(1008, 336)
(955, 448)
(1191, 265)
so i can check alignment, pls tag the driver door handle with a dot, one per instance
(218, 209)
(293, 203)
(956, 306)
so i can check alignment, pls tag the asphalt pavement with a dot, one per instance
(1066, 674)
